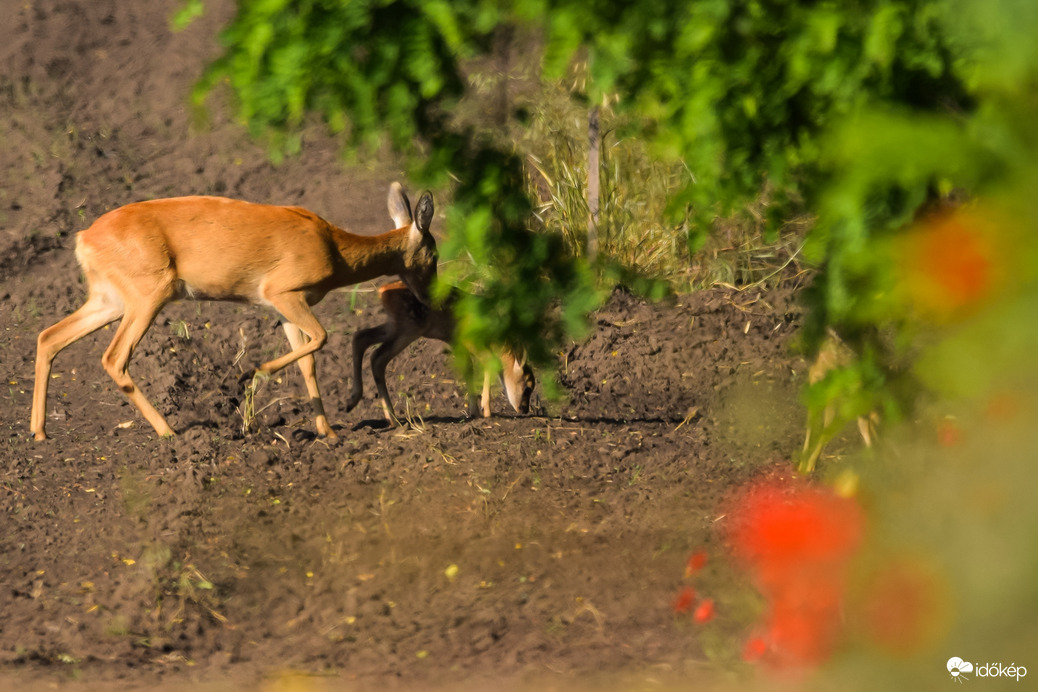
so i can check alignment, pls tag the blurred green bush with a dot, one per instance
(732, 96)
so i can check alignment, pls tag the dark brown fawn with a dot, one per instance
(408, 320)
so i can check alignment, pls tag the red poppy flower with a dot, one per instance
(1003, 407)
(754, 649)
(686, 598)
(695, 563)
(796, 540)
(905, 607)
(704, 611)
(950, 262)
(948, 433)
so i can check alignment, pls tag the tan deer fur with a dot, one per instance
(409, 320)
(139, 257)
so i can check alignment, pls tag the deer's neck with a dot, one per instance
(367, 257)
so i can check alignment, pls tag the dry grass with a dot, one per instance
(548, 127)
(635, 229)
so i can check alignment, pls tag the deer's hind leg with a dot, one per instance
(101, 308)
(138, 317)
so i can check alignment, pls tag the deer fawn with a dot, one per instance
(409, 320)
(139, 257)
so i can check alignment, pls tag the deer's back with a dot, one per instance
(219, 248)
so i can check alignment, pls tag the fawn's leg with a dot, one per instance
(362, 341)
(379, 360)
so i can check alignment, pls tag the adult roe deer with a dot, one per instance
(409, 320)
(139, 257)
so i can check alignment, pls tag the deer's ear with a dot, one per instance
(399, 206)
(424, 213)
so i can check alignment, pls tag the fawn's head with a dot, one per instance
(519, 382)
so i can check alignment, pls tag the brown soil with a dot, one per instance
(547, 547)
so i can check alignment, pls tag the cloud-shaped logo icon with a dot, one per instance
(956, 666)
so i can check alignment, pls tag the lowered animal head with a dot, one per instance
(519, 382)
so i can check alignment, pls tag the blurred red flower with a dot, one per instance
(1004, 407)
(695, 562)
(949, 434)
(704, 611)
(796, 540)
(684, 601)
(754, 649)
(905, 606)
(950, 262)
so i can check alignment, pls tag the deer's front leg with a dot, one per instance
(308, 367)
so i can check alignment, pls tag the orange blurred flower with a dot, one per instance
(754, 649)
(905, 607)
(704, 611)
(951, 263)
(696, 562)
(796, 540)
(686, 598)
(780, 524)
(1004, 406)
(949, 434)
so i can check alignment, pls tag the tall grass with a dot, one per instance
(635, 188)
(635, 229)
(546, 124)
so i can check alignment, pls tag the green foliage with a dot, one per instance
(890, 168)
(741, 91)
(637, 247)
(523, 289)
(188, 12)
(373, 69)
(391, 70)
(739, 94)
